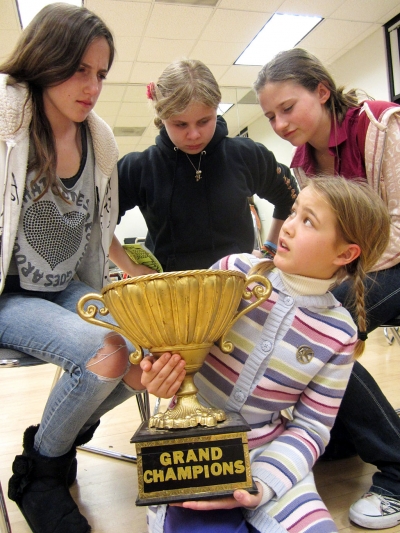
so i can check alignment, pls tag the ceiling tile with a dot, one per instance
(227, 55)
(218, 71)
(108, 108)
(234, 26)
(263, 6)
(240, 75)
(132, 121)
(120, 71)
(365, 10)
(122, 17)
(185, 22)
(309, 7)
(146, 72)
(325, 55)
(328, 30)
(112, 92)
(110, 120)
(164, 50)
(135, 93)
(127, 47)
(136, 109)
(230, 95)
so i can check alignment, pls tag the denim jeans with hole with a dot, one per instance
(47, 326)
(366, 421)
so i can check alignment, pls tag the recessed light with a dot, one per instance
(281, 32)
(223, 108)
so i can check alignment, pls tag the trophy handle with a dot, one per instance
(261, 292)
(89, 314)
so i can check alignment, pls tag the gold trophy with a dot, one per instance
(191, 451)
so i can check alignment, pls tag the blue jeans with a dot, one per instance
(367, 422)
(47, 326)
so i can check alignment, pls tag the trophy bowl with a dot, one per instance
(178, 312)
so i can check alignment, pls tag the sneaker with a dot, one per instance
(375, 511)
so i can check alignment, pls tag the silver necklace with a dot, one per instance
(198, 171)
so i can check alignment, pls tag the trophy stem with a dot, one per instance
(188, 388)
(188, 411)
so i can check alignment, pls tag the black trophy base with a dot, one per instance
(192, 463)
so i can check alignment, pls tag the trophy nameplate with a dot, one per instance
(192, 463)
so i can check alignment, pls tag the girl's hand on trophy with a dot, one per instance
(240, 498)
(162, 376)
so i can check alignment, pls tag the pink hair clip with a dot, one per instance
(150, 89)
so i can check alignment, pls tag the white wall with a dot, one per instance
(363, 67)
(132, 225)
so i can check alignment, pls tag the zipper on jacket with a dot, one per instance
(10, 145)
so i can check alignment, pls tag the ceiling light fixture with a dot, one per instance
(281, 32)
(27, 9)
(223, 108)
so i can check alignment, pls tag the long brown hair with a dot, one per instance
(363, 219)
(48, 53)
(301, 67)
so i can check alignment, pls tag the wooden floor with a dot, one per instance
(107, 488)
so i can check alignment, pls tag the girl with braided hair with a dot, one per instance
(293, 353)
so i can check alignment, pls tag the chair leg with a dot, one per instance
(56, 377)
(5, 525)
(391, 333)
(389, 338)
(108, 453)
(396, 334)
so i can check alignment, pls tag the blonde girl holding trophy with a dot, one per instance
(293, 354)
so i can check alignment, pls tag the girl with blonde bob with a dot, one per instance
(193, 186)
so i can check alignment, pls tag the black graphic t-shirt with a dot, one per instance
(54, 231)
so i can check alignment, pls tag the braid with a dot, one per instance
(262, 267)
(359, 304)
(353, 201)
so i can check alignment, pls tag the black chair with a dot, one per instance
(15, 359)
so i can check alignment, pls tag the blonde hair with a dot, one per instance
(180, 84)
(363, 219)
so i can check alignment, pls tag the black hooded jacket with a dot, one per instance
(191, 224)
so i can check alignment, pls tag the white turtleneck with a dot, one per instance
(302, 286)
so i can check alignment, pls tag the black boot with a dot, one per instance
(39, 488)
(80, 439)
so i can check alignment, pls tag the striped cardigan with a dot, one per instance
(265, 375)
